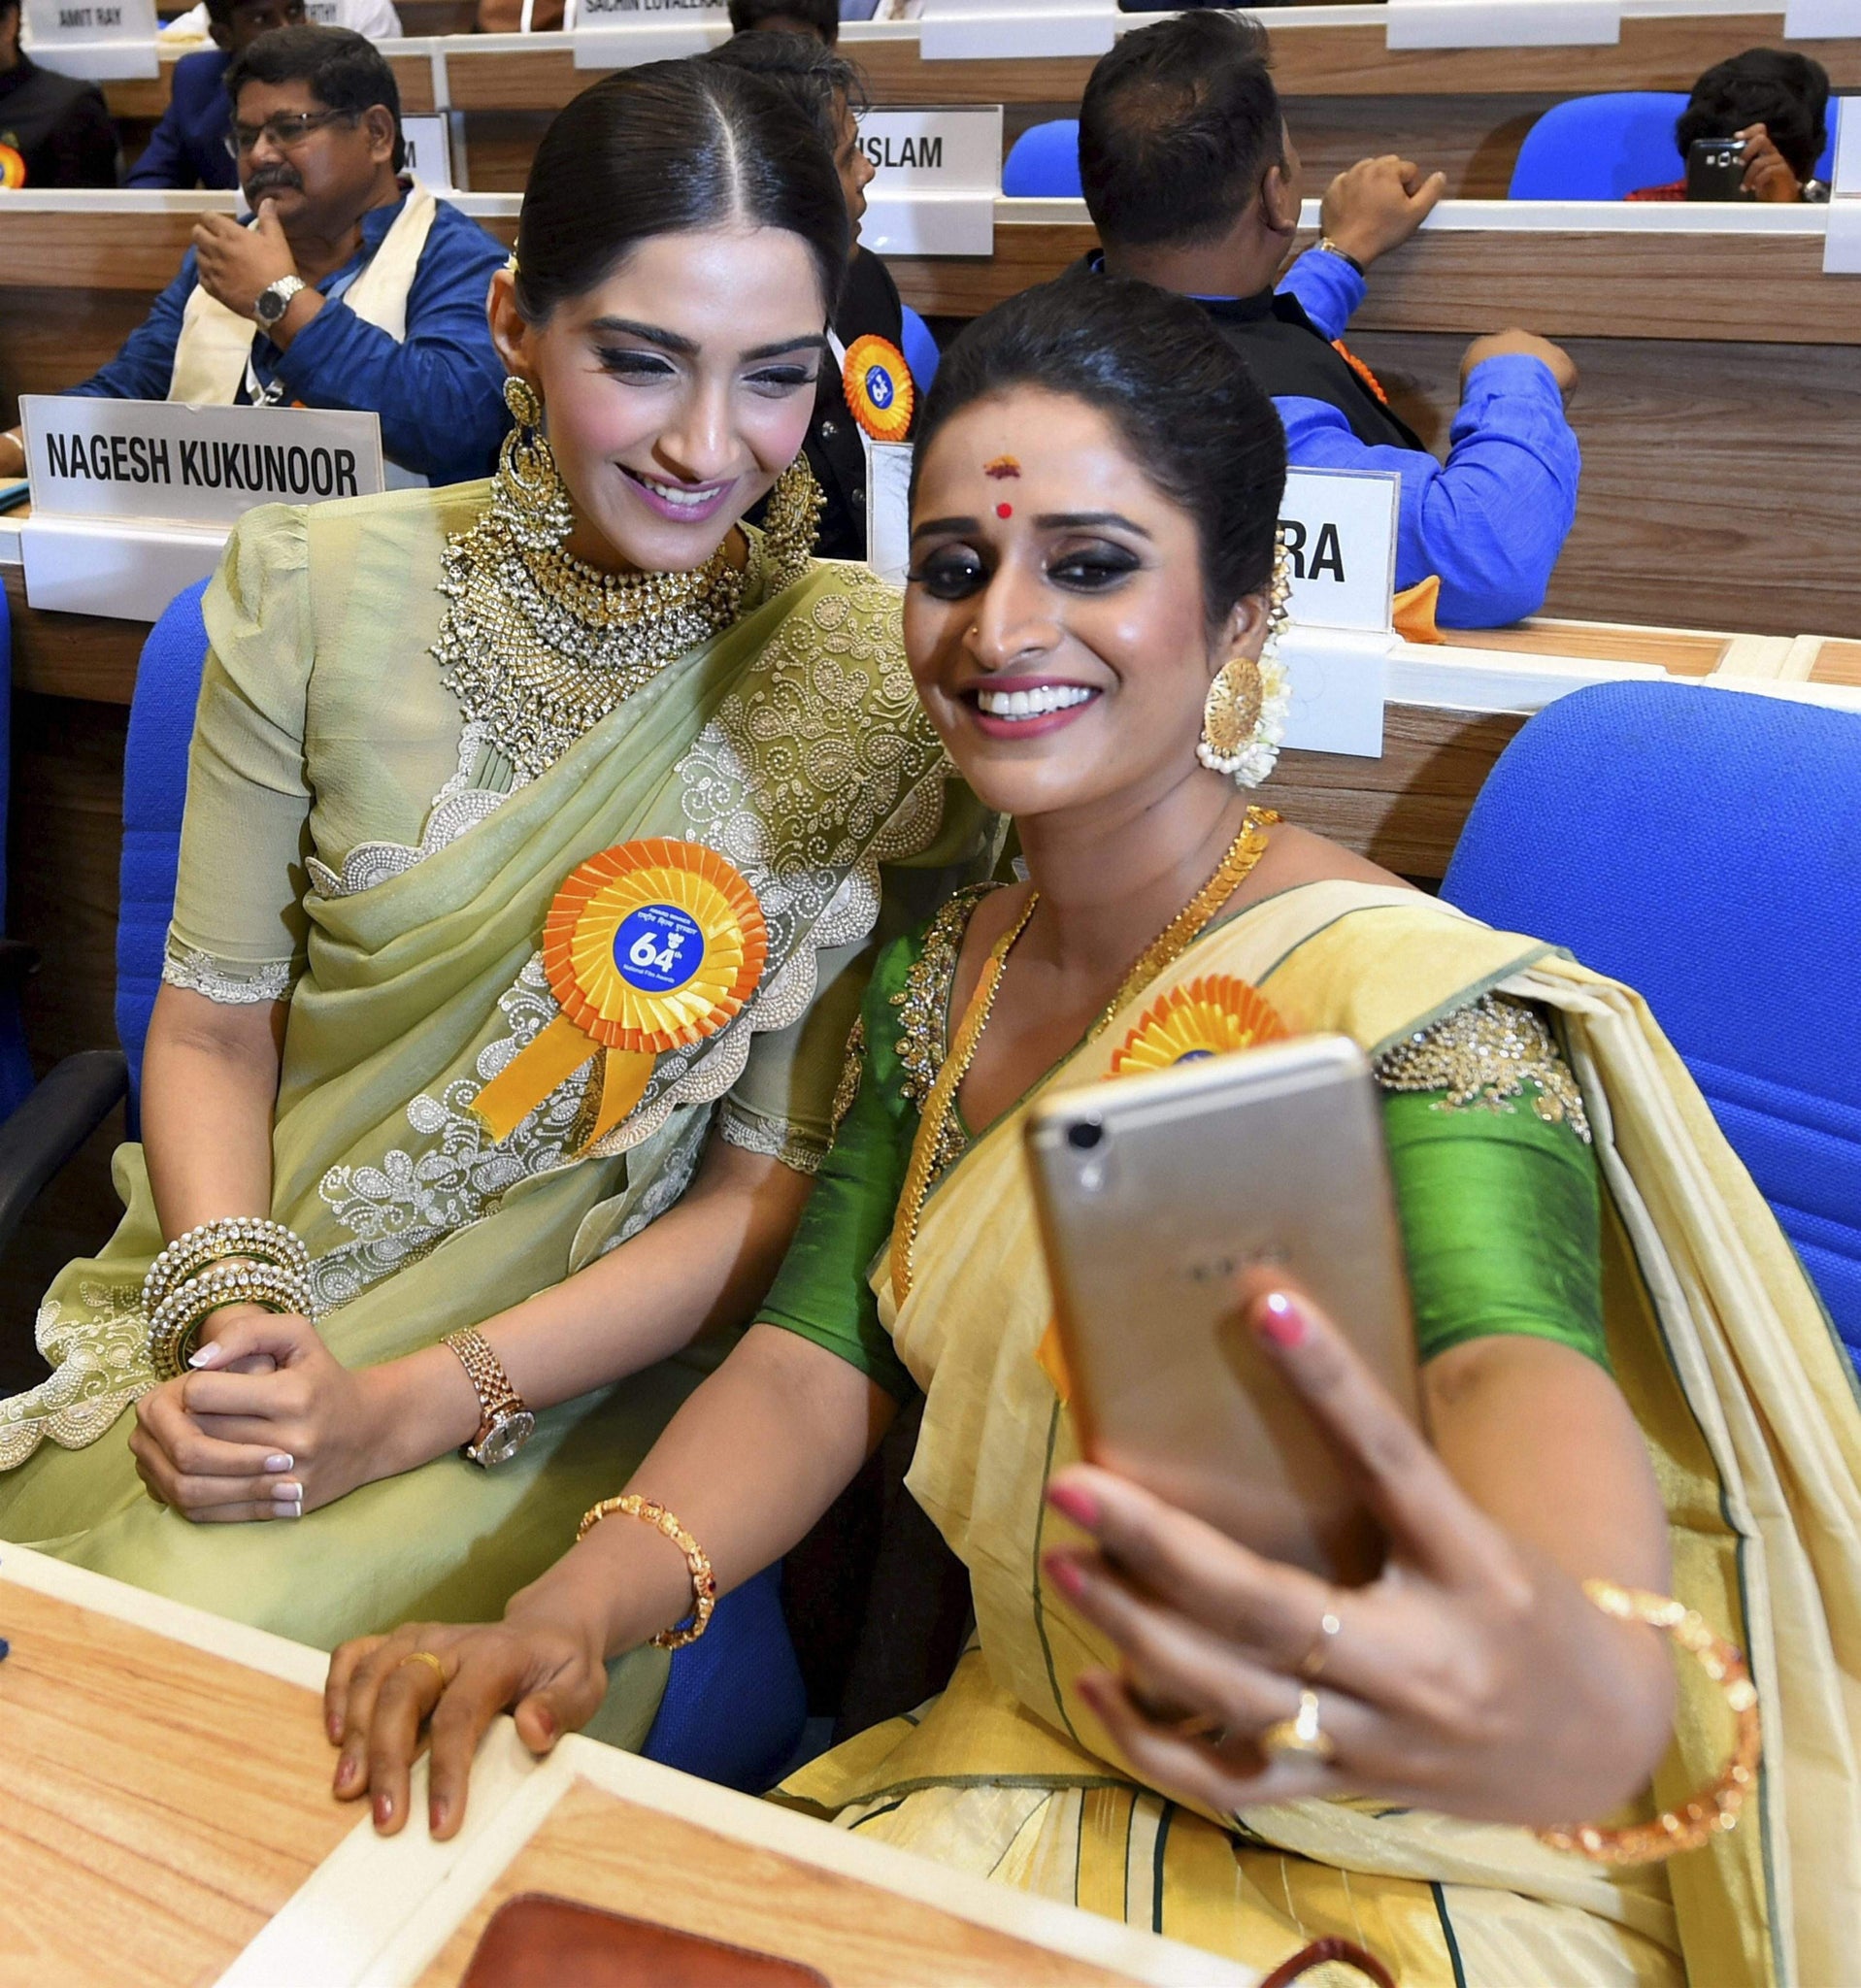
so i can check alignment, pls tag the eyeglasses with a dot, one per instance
(286, 131)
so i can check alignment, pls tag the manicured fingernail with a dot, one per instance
(348, 1770)
(204, 1356)
(1066, 1575)
(383, 1809)
(281, 1462)
(333, 1726)
(288, 1508)
(1278, 1319)
(436, 1814)
(1081, 1506)
(289, 1492)
(546, 1725)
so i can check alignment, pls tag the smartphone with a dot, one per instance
(1154, 1193)
(1716, 169)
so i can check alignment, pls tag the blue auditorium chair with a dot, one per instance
(920, 351)
(1701, 845)
(1043, 162)
(1606, 148)
(735, 1702)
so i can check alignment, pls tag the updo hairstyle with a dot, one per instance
(1181, 398)
(667, 148)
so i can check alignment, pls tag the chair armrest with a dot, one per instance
(18, 960)
(54, 1120)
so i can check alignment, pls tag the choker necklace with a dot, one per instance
(1163, 951)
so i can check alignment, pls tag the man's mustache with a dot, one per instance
(274, 179)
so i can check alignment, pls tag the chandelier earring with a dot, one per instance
(1243, 719)
(528, 492)
(791, 524)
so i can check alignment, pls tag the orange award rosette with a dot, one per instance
(650, 945)
(1207, 1017)
(879, 388)
(12, 168)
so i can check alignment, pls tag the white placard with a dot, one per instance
(888, 510)
(102, 41)
(1504, 24)
(165, 462)
(429, 152)
(1805, 20)
(622, 34)
(980, 30)
(937, 171)
(1339, 528)
(1848, 145)
(1340, 682)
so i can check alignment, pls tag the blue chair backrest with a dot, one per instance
(1606, 148)
(1043, 162)
(155, 792)
(920, 351)
(16, 1068)
(1701, 845)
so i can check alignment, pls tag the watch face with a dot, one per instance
(270, 307)
(505, 1437)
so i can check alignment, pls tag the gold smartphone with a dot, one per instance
(1154, 1194)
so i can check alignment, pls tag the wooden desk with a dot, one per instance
(168, 1799)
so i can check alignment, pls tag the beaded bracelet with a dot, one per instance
(254, 1237)
(1713, 1809)
(174, 1331)
(704, 1580)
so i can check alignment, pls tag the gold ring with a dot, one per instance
(1301, 1735)
(427, 1657)
(1313, 1663)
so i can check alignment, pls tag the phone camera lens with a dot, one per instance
(1085, 1135)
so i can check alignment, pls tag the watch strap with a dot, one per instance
(1331, 248)
(284, 288)
(498, 1400)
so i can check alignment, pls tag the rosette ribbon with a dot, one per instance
(12, 168)
(878, 388)
(649, 946)
(1207, 1017)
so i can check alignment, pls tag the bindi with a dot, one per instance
(1004, 466)
(1005, 510)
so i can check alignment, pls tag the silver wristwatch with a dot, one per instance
(275, 299)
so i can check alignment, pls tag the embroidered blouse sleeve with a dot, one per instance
(237, 933)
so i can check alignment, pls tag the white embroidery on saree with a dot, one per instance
(98, 1354)
(457, 807)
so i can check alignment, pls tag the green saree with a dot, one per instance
(353, 841)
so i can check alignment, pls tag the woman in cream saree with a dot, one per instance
(377, 826)
(1627, 1379)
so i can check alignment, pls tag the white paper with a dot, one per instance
(888, 510)
(1339, 683)
(102, 41)
(1504, 24)
(1841, 253)
(1848, 145)
(622, 34)
(164, 462)
(429, 152)
(982, 30)
(1338, 527)
(1821, 19)
(125, 572)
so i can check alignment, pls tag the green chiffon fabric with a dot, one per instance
(348, 836)
(1501, 1213)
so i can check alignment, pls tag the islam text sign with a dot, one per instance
(103, 40)
(167, 463)
(936, 174)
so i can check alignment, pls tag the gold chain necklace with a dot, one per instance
(1169, 945)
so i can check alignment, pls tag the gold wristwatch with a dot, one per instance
(504, 1423)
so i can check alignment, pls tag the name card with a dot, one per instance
(622, 34)
(1842, 254)
(132, 500)
(1338, 527)
(102, 41)
(1508, 24)
(888, 510)
(1805, 20)
(429, 152)
(980, 30)
(937, 171)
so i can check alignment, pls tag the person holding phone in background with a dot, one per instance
(1090, 623)
(1776, 104)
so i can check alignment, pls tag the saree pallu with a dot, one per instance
(793, 746)
(1735, 1376)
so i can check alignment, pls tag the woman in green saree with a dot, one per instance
(420, 715)
(1628, 1383)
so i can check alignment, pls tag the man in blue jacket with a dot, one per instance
(1193, 184)
(190, 146)
(351, 288)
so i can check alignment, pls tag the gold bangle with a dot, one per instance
(1698, 1819)
(175, 1327)
(704, 1580)
(246, 1238)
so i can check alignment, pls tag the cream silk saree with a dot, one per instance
(792, 744)
(1748, 1408)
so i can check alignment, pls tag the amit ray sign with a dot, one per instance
(102, 41)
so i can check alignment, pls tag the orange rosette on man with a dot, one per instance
(649, 946)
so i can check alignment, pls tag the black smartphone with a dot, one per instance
(1716, 169)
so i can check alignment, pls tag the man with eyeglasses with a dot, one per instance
(350, 287)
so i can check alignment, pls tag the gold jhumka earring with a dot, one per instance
(1244, 716)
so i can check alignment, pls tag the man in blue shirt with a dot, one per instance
(1193, 184)
(190, 146)
(350, 287)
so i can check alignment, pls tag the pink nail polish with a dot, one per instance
(281, 1462)
(1066, 1575)
(289, 1492)
(383, 1810)
(1278, 1320)
(204, 1356)
(1078, 1505)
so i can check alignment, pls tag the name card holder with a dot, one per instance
(985, 30)
(1842, 253)
(937, 171)
(101, 40)
(1810, 21)
(623, 34)
(1504, 24)
(133, 500)
(1338, 527)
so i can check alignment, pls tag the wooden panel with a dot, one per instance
(1681, 652)
(499, 146)
(1839, 663)
(51, 339)
(526, 80)
(413, 73)
(161, 1803)
(90, 656)
(602, 1850)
